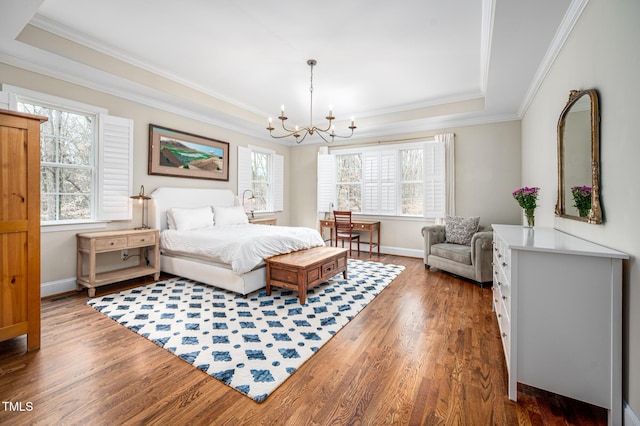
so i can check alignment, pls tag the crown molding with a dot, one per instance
(488, 16)
(562, 34)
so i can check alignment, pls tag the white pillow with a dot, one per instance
(226, 216)
(184, 219)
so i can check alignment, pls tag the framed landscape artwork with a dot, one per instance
(176, 153)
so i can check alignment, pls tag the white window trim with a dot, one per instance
(277, 176)
(114, 180)
(327, 178)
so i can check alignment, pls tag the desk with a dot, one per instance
(357, 225)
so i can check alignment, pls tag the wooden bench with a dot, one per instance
(304, 269)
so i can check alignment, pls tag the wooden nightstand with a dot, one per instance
(94, 243)
(263, 220)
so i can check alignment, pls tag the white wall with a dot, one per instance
(602, 52)
(59, 248)
(487, 162)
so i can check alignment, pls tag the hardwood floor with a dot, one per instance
(425, 351)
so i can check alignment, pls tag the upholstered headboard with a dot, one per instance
(163, 198)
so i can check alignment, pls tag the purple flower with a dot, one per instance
(582, 198)
(526, 197)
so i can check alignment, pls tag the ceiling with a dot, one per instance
(396, 67)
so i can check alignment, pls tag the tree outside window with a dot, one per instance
(261, 180)
(349, 182)
(67, 170)
(412, 183)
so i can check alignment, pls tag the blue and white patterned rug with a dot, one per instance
(252, 344)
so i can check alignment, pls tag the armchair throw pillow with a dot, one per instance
(460, 230)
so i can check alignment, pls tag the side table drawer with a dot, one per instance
(111, 243)
(141, 239)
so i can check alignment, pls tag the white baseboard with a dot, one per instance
(69, 284)
(56, 287)
(629, 417)
(398, 251)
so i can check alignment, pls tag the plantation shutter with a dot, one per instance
(379, 172)
(434, 180)
(115, 168)
(244, 171)
(326, 182)
(388, 175)
(370, 177)
(278, 183)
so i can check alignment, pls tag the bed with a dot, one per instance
(197, 263)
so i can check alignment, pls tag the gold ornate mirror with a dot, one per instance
(579, 158)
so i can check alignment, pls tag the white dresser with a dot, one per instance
(558, 301)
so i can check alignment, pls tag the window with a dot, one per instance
(261, 177)
(349, 182)
(86, 159)
(67, 167)
(390, 180)
(261, 171)
(412, 182)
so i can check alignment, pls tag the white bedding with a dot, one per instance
(241, 246)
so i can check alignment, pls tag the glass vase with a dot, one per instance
(584, 212)
(528, 218)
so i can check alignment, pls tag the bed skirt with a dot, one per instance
(214, 275)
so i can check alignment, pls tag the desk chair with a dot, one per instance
(344, 230)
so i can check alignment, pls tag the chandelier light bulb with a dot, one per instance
(327, 133)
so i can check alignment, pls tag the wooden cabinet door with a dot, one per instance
(20, 227)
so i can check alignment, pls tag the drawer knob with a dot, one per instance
(111, 243)
(504, 264)
(142, 240)
(499, 283)
(499, 315)
(504, 297)
(504, 334)
(499, 255)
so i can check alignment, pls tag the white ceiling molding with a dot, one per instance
(488, 11)
(566, 26)
(435, 65)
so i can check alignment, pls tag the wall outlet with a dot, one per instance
(124, 254)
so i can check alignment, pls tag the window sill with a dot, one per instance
(364, 216)
(72, 226)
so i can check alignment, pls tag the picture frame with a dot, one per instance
(181, 154)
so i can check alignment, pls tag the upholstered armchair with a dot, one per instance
(472, 261)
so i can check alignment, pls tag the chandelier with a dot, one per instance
(325, 133)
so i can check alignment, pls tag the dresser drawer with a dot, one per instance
(501, 256)
(141, 239)
(505, 334)
(114, 243)
(504, 288)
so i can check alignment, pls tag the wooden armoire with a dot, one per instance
(20, 226)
